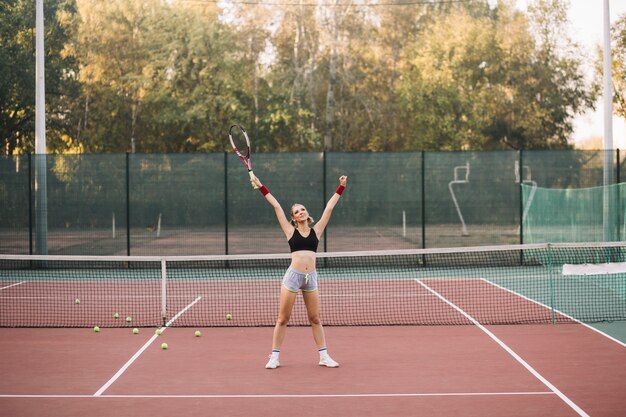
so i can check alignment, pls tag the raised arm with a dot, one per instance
(280, 214)
(323, 221)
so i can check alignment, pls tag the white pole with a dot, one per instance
(163, 290)
(608, 125)
(41, 204)
(159, 226)
(113, 226)
(40, 86)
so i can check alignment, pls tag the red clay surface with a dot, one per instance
(400, 371)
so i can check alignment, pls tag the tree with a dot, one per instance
(111, 43)
(199, 80)
(17, 73)
(171, 76)
(480, 80)
(167, 77)
(619, 66)
(556, 89)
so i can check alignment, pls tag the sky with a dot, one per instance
(586, 26)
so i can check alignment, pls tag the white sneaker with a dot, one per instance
(272, 363)
(326, 360)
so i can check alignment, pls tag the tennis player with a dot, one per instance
(301, 274)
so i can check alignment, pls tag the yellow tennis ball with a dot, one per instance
(77, 301)
(157, 332)
(129, 319)
(229, 316)
(135, 330)
(197, 333)
(96, 329)
(116, 316)
(164, 346)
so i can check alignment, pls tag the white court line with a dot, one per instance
(12, 285)
(619, 342)
(140, 351)
(510, 351)
(430, 394)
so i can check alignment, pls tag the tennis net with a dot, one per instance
(490, 285)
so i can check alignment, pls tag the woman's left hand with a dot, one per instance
(343, 180)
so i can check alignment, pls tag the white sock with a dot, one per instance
(275, 353)
(323, 352)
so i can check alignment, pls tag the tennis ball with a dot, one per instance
(164, 346)
(96, 329)
(229, 316)
(198, 334)
(135, 330)
(129, 319)
(157, 332)
(116, 316)
(77, 301)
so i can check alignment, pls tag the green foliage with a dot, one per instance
(483, 82)
(156, 76)
(619, 66)
(17, 72)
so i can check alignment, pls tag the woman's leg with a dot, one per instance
(287, 300)
(311, 300)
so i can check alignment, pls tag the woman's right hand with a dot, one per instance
(256, 183)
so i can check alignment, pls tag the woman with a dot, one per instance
(301, 275)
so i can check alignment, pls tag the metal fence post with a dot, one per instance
(423, 180)
(619, 199)
(225, 203)
(324, 196)
(127, 203)
(30, 203)
(521, 197)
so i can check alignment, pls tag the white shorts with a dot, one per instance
(295, 281)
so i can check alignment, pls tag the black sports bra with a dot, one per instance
(298, 242)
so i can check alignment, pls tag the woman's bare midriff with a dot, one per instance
(303, 261)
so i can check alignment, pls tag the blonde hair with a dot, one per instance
(295, 223)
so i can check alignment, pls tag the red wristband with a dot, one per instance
(264, 190)
(340, 189)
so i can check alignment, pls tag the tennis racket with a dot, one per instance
(238, 140)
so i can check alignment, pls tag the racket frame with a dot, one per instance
(245, 158)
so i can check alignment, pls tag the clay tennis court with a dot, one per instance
(527, 370)
(385, 317)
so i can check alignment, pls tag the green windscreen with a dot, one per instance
(15, 196)
(203, 204)
(573, 215)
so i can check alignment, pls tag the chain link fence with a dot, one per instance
(203, 204)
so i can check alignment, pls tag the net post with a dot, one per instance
(164, 291)
(225, 203)
(127, 204)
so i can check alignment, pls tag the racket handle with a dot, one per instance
(252, 178)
